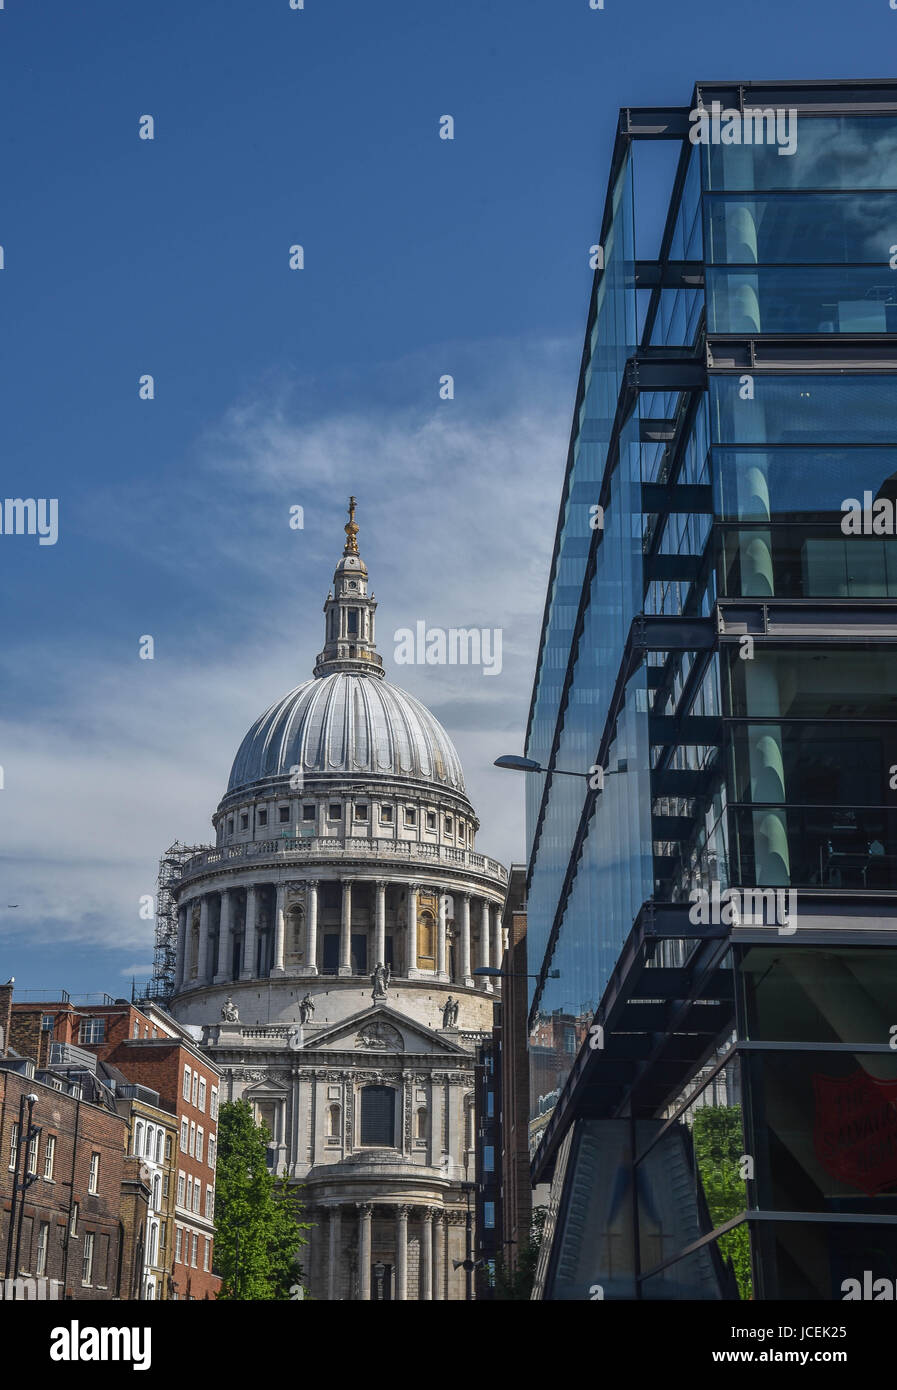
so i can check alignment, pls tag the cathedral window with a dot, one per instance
(263, 816)
(448, 825)
(410, 816)
(333, 1122)
(308, 812)
(386, 815)
(244, 820)
(353, 622)
(378, 1116)
(422, 1124)
(283, 813)
(230, 825)
(335, 811)
(361, 812)
(431, 820)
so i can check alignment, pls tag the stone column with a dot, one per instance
(181, 957)
(483, 980)
(202, 959)
(311, 928)
(279, 927)
(465, 977)
(441, 939)
(225, 938)
(438, 1255)
(249, 939)
(364, 1251)
(379, 924)
(411, 932)
(497, 943)
(426, 1255)
(333, 1265)
(401, 1254)
(345, 936)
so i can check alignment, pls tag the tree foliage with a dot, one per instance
(717, 1139)
(515, 1281)
(258, 1234)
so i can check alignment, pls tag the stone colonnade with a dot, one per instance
(208, 956)
(382, 1270)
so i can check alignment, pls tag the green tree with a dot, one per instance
(258, 1234)
(718, 1144)
(516, 1281)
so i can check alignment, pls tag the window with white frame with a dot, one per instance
(205, 1258)
(185, 1130)
(194, 1241)
(49, 1156)
(192, 1137)
(93, 1182)
(199, 1143)
(211, 1151)
(202, 1093)
(159, 1138)
(13, 1144)
(150, 1138)
(213, 1103)
(210, 1203)
(178, 1243)
(185, 1089)
(195, 1088)
(73, 1223)
(138, 1137)
(87, 1258)
(197, 1193)
(33, 1153)
(93, 1030)
(43, 1241)
(181, 1182)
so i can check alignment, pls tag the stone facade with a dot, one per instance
(331, 972)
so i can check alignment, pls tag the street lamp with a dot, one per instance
(513, 762)
(21, 1185)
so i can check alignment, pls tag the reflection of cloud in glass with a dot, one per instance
(832, 152)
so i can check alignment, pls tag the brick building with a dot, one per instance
(67, 1226)
(146, 1056)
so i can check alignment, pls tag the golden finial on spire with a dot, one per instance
(351, 531)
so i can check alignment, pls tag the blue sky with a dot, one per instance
(274, 388)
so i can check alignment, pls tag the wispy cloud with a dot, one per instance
(456, 506)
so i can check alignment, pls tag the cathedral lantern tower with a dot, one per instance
(327, 944)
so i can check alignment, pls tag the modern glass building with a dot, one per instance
(714, 1022)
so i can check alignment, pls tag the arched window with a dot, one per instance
(153, 1244)
(138, 1138)
(159, 1137)
(333, 1121)
(423, 1124)
(469, 1121)
(150, 1140)
(157, 1192)
(378, 1116)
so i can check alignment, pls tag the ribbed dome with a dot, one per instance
(348, 722)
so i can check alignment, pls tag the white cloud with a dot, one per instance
(457, 506)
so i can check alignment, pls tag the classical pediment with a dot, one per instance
(378, 1030)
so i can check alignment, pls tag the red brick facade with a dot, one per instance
(69, 1233)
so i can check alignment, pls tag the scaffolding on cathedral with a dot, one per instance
(171, 865)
